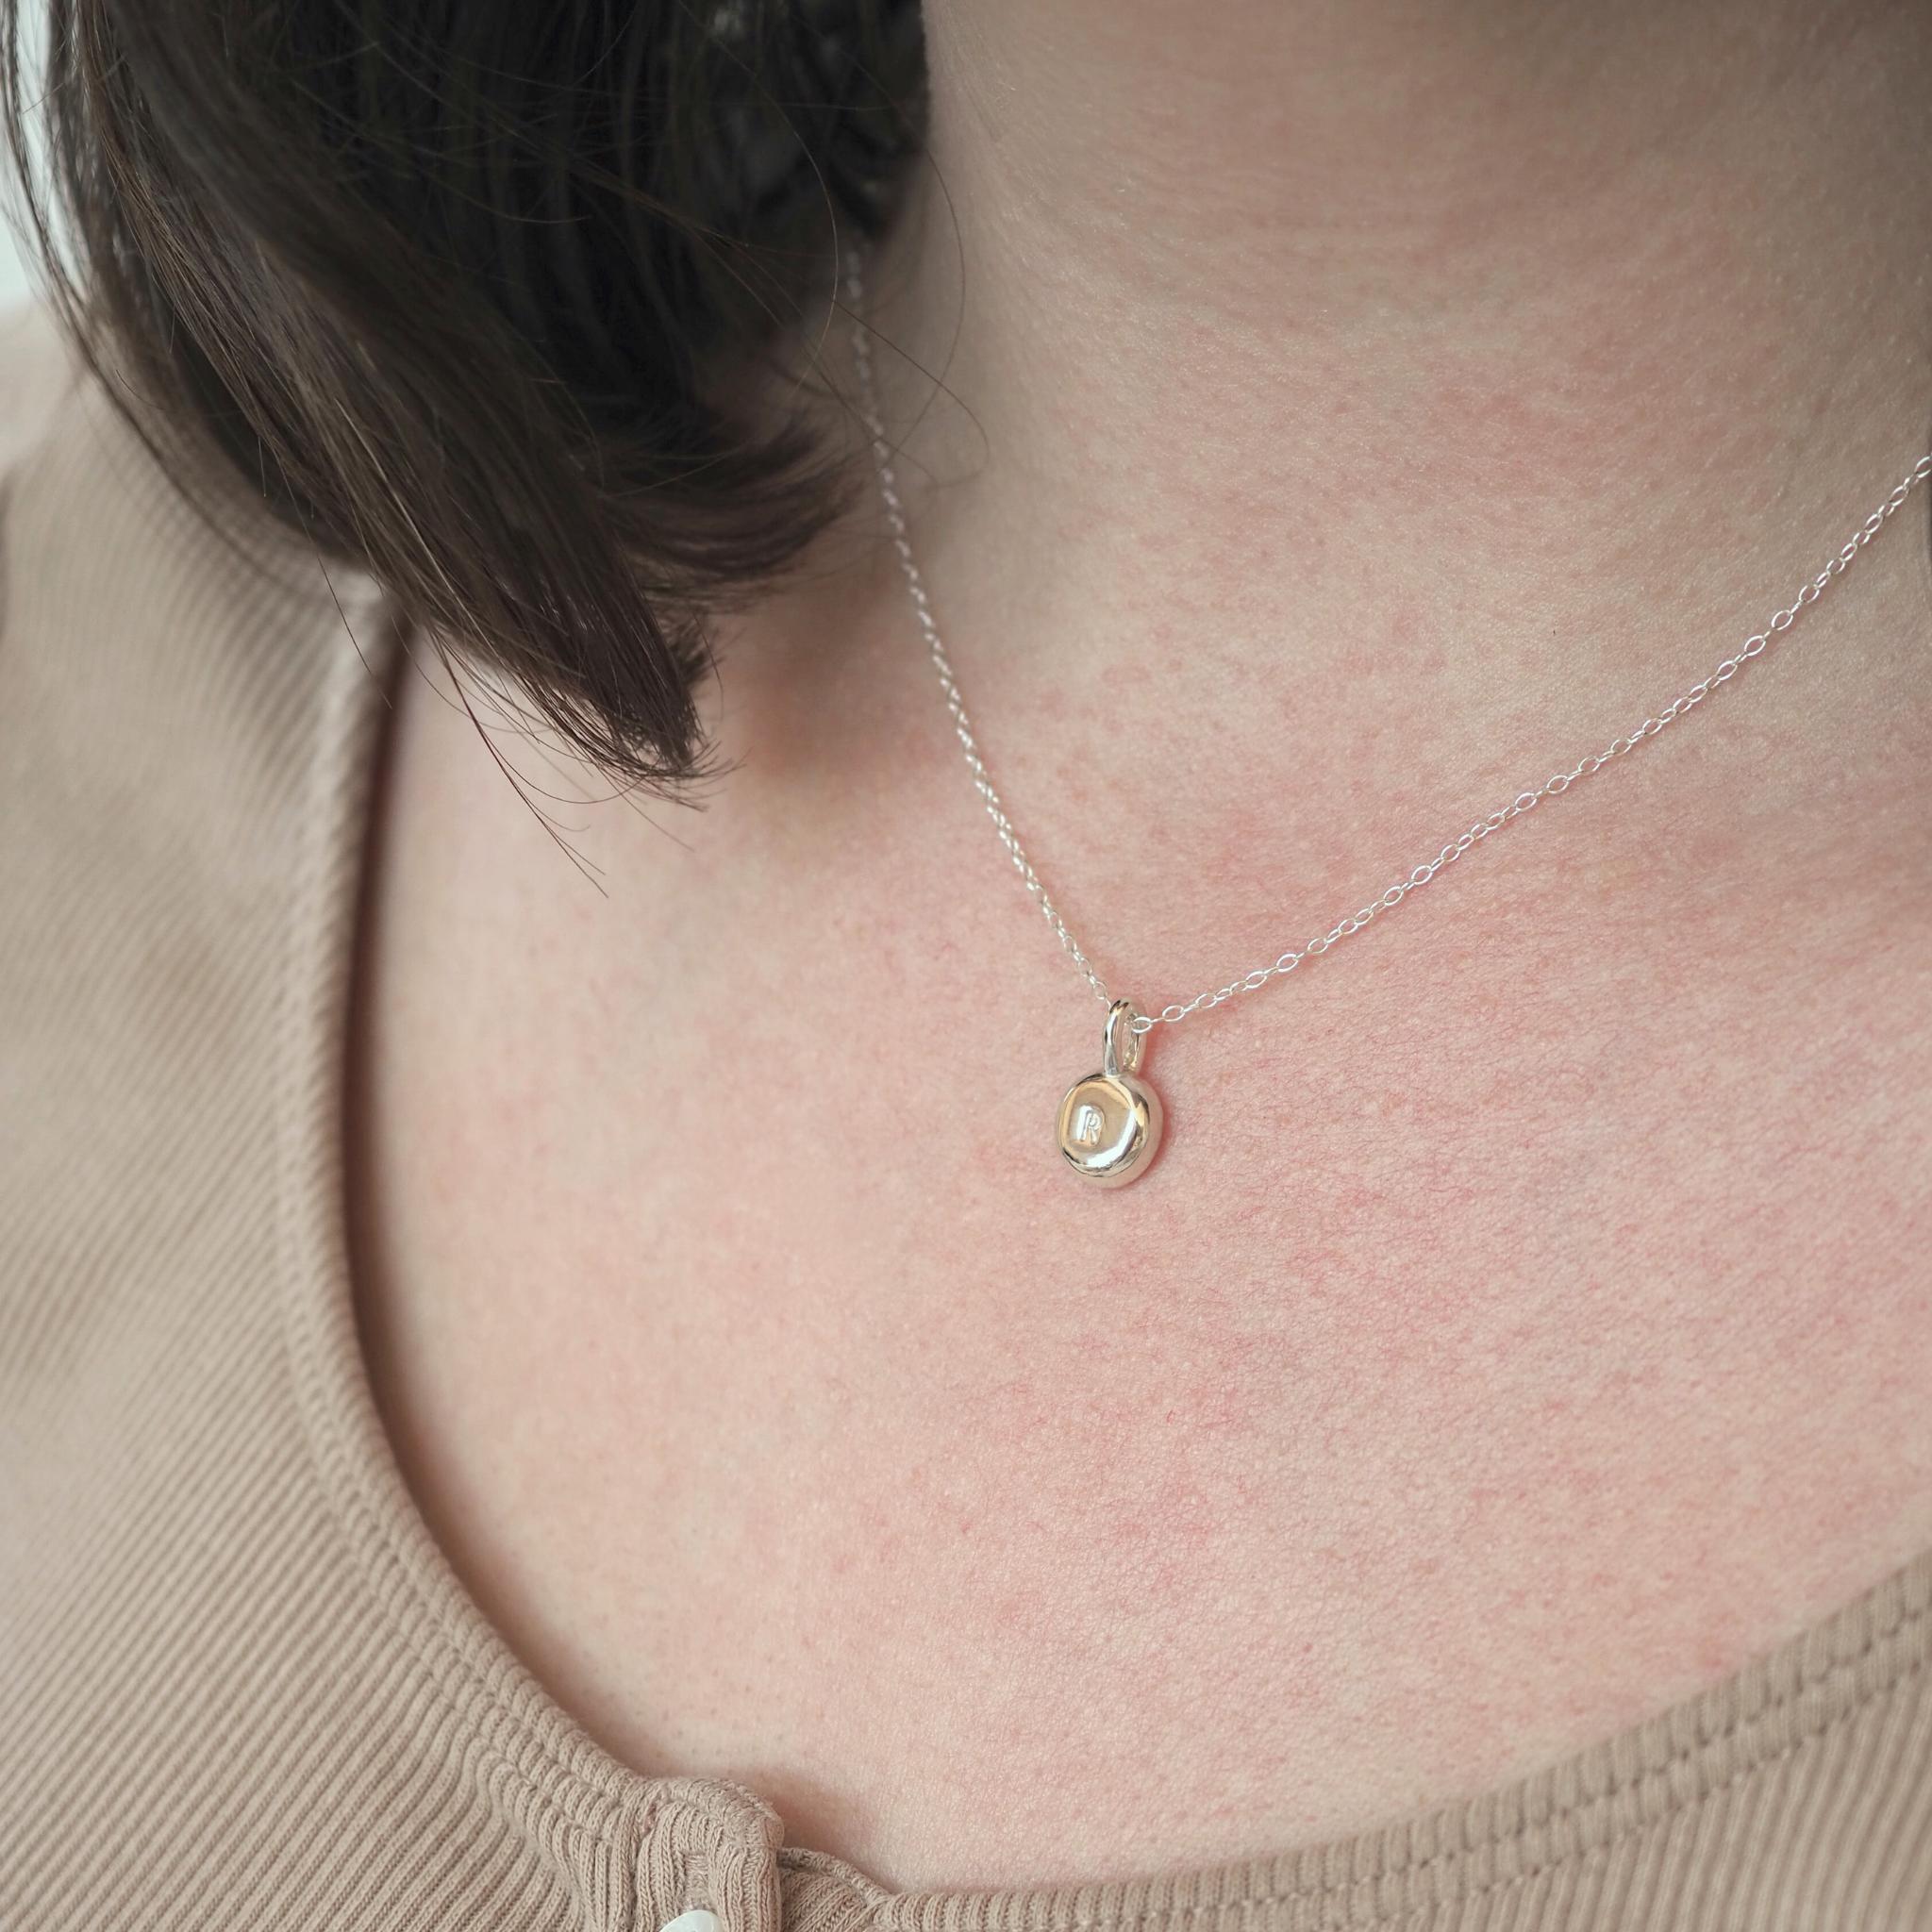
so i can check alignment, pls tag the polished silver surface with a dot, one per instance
(1109, 1121)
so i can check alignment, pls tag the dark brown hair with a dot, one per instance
(480, 294)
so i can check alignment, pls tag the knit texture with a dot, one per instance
(239, 1684)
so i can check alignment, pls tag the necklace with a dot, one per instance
(1109, 1121)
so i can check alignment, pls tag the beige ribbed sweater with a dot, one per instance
(238, 1684)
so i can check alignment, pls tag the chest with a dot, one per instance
(1478, 1377)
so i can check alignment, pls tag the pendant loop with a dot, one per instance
(1121, 1054)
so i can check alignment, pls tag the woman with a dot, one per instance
(564, 1364)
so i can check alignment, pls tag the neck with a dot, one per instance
(1348, 423)
(1573, 317)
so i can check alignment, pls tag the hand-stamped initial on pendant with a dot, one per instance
(1109, 1123)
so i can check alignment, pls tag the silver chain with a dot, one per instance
(1420, 875)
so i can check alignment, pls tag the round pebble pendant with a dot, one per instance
(1109, 1123)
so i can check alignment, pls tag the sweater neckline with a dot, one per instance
(667, 1843)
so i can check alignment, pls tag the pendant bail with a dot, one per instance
(1121, 1054)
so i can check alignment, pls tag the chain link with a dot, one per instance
(1418, 876)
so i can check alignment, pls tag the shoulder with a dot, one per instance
(158, 630)
(95, 520)
(39, 368)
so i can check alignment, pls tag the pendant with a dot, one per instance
(1109, 1123)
